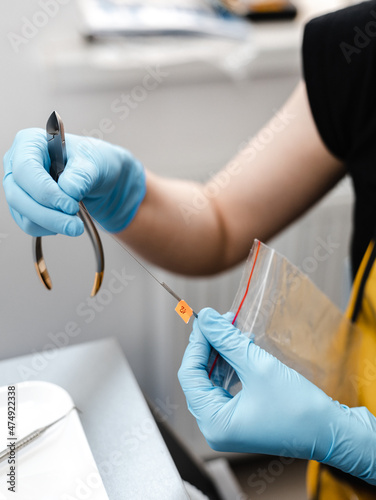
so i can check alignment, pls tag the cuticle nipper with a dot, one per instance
(58, 156)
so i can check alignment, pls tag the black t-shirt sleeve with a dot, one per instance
(339, 58)
(339, 51)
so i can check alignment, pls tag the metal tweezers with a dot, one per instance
(58, 156)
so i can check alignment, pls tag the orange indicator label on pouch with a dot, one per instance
(184, 311)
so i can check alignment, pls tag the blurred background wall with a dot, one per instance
(210, 97)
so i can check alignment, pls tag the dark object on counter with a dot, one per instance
(272, 11)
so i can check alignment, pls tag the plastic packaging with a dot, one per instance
(288, 316)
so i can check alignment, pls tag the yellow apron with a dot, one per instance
(323, 482)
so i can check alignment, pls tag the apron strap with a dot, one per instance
(360, 281)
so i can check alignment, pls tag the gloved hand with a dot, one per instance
(278, 411)
(107, 178)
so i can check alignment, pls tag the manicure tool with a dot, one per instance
(58, 156)
(183, 309)
(21, 443)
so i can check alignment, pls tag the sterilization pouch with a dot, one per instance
(282, 310)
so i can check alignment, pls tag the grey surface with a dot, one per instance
(130, 453)
(270, 479)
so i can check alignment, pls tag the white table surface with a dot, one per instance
(130, 453)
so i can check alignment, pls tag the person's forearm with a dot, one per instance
(201, 229)
(177, 227)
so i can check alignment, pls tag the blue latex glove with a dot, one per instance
(278, 411)
(107, 178)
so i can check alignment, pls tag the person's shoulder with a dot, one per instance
(339, 51)
(351, 28)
